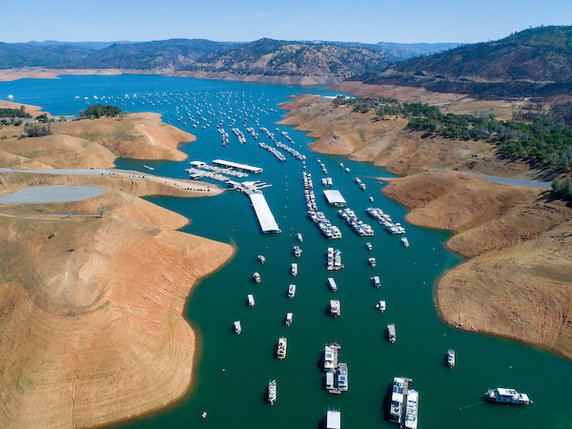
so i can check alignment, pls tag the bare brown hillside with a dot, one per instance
(386, 143)
(518, 282)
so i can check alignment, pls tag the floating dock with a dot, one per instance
(237, 166)
(334, 198)
(265, 217)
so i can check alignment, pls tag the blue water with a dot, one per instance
(234, 397)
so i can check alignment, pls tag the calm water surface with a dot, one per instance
(233, 371)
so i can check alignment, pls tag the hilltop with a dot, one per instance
(262, 60)
(533, 62)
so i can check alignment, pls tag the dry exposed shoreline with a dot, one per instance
(41, 73)
(517, 283)
(92, 303)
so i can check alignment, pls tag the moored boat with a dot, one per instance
(405, 241)
(335, 309)
(368, 246)
(237, 328)
(380, 305)
(375, 281)
(291, 291)
(250, 300)
(261, 259)
(294, 269)
(391, 333)
(289, 319)
(507, 396)
(272, 392)
(256, 278)
(451, 358)
(332, 284)
(372, 262)
(411, 410)
(281, 348)
(297, 251)
(299, 237)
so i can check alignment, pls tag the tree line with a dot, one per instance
(545, 139)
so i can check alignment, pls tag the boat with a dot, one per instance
(335, 309)
(281, 348)
(391, 333)
(451, 358)
(261, 259)
(507, 396)
(299, 237)
(375, 281)
(405, 241)
(333, 420)
(291, 291)
(250, 300)
(372, 262)
(370, 199)
(148, 168)
(237, 328)
(256, 278)
(362, 186)
(332, 284)
(368, 246)
(347, 170)
(272, 392)
(380, 305)
(411, 410)
(294, 269)
(288, 320)
(342, 377)
(398, 392)
(331, 356)
(297, 251)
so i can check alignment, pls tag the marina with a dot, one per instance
(408, 276)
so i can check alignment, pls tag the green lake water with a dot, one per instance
(233, 371)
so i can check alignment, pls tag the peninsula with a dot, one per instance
(93, 331)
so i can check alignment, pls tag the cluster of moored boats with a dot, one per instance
(336, 373)
(334, 259)
(385, 220)
(361, 228)
(328, 230)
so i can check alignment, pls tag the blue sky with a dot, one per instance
(246, 20)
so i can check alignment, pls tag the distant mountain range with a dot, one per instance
(325, 61)
(533, 62)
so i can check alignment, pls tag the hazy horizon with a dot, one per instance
(372, 21)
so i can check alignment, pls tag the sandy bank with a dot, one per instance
(100, 310)
(518, 282)
(32, 110)
(39, 73)
(94, 143)
(361, 137)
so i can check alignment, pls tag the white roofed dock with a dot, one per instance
(265, 217)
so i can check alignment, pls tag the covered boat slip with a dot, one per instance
(237, 166)
(265, 217)
(333, 420)
(334, 198)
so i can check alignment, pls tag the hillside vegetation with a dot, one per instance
(546, 140)
(261, 57)
(533, 62)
